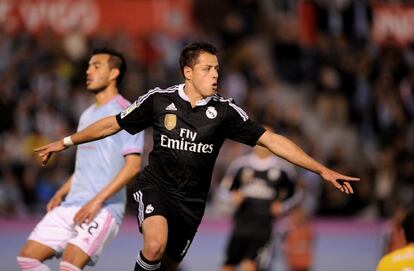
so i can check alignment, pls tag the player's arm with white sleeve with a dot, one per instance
(286, 149)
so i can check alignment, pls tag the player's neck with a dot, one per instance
(192, 94)
(106, 95)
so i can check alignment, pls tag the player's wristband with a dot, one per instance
(67, 141)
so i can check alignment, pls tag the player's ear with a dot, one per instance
(113, 74)
(188, 72)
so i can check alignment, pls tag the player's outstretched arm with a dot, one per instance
(100, 129)
(286, 149)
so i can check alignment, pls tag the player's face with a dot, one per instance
(204, 74)
(98, 73)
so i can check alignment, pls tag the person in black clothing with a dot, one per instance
(262, 188)
(190, 123)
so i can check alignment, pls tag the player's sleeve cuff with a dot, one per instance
(132, 151)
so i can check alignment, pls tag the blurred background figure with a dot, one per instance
(403, 258)
(298, 242)
(262, 188)
(85, 213)
(394, 236)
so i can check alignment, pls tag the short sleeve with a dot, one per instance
(132, 143)
(240, 128)
(137, 116)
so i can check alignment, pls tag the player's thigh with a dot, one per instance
(76, 256)
(155, 229)
(92, 237)
(181, 232)
(51, 233)
(35, 250)
(149, 201)
(152, 214)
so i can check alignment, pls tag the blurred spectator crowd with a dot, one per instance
(348, 101)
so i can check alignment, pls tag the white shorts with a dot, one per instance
(56, 229)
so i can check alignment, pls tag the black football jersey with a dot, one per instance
(186, 140)
(262, 181)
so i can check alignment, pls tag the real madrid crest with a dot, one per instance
(170, 121)
(211, 112)
(149, 209)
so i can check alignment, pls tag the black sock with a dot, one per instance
(143, 264)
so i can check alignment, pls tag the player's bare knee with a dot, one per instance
(153, 249)
(26, 252)
(70, 258)
(72, 262)
(75, 259)
(153, 253)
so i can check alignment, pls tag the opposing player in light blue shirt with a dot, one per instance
(85, 213)
(98, 162)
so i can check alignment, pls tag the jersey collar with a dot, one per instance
(117, 97)
(185, 97)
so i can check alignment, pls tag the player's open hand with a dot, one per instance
(341, 182)
(46, 151)
(88, 212)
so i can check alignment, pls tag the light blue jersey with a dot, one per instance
(98, 162)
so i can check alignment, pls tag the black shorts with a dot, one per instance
(241, 247)
(149, 200)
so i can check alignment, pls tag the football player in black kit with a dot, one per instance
(190, 123)
(262, 188)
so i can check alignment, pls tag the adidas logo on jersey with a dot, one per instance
(171, 107)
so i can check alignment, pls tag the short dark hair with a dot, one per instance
(190, 53)
(116, 61)
(408, 226)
